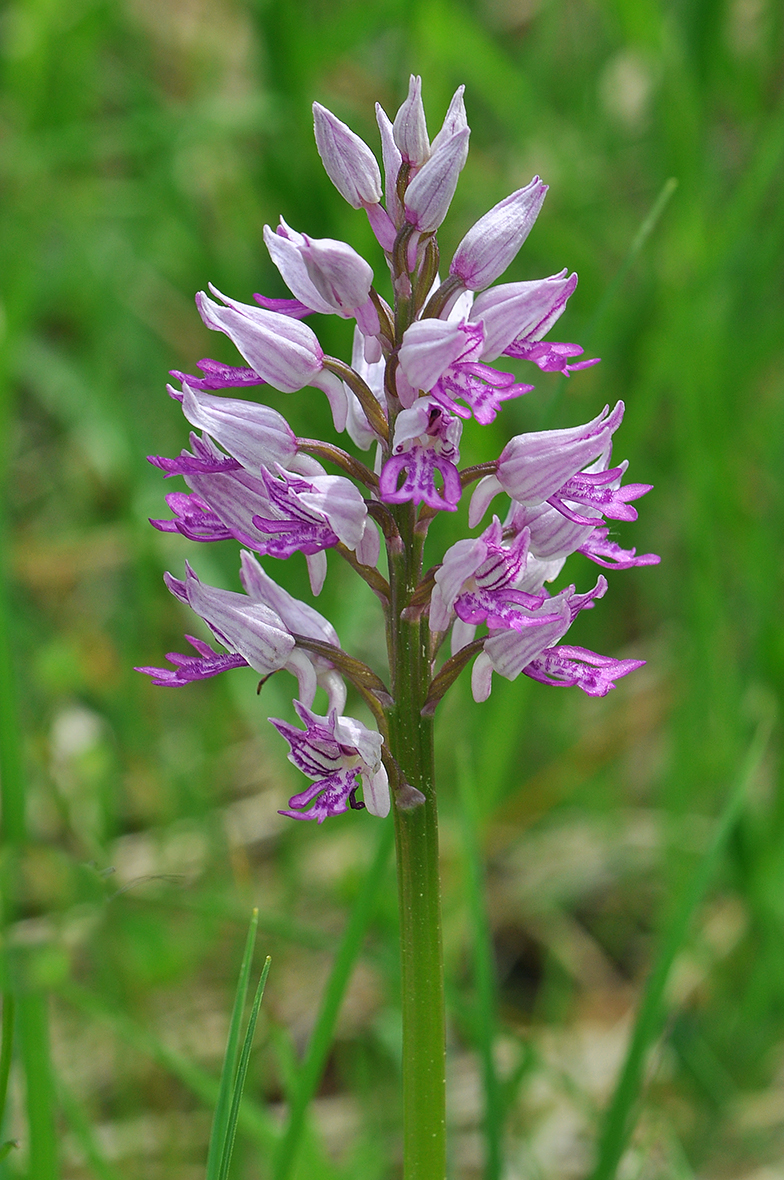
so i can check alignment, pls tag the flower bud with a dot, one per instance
(410, 126)
(491, 244)
(390, 154)
(347, 159)
(454, 121)
(430, 193)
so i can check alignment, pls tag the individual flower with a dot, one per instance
(275, 513)
(347, 159)
(313, 514)
(545, 466)
(285, 352)
(326, 276)
(425, 442)
(252, 633)
(515, 317)
(479, 580)
(352, 168)
(335, 752)
(509, 651)
(443, 358)
(253, 434)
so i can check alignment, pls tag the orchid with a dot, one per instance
(424, 361)
(333, 751)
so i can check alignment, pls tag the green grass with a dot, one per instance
(144, 148)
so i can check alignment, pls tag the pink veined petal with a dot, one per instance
(460, 562)
(568, 667)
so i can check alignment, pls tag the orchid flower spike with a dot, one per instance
(422, 365)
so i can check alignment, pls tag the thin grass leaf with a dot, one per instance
(239, 1080)
(220, 1122)
(647, 227)
(6, 1050)
(619, 1119)
(12, 782)
(318, 1048)
(484, 971)
(33, 1018)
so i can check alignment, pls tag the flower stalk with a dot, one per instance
(419, 888)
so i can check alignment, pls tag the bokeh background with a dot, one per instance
(143, 147)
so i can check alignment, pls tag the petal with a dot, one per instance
(298, 616)
(288, 258)
(461, 561)
(252, 433)
(282, 350)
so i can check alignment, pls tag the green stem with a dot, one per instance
(419, 892)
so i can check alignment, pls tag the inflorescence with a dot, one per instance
(419, 368)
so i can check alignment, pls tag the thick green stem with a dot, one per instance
(416, 838)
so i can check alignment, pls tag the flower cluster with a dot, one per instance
(422, 364)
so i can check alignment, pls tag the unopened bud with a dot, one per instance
(347, 159)
(410, 127)
(430, 193)
(492, 243)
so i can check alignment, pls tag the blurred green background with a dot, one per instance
(143, 147)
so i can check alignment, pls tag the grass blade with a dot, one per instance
(39, 1084)
(6, 1050)
(640, 238)
(619, 1120)
(484, 971)
(318, 1048)
(239, 1080)
(220, 1120)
